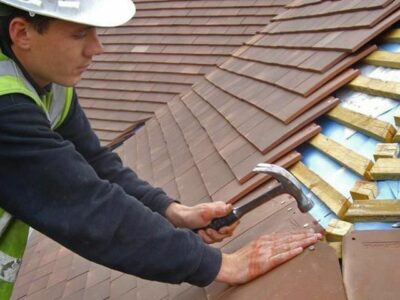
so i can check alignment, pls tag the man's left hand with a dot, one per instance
(199, 216)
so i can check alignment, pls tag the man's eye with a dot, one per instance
(80, 35)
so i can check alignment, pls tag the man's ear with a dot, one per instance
(20, 30)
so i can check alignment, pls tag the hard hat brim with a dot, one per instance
(98, 13)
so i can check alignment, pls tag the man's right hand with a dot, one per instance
(264, 254)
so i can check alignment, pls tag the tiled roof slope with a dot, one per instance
(202, 145)
(50, 271)
(161, 52)
(241, 113)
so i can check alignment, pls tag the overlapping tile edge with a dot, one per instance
(388, 22)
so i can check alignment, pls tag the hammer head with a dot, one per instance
(289, 183)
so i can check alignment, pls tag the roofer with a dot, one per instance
(55, 176)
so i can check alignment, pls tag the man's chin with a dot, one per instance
(69, 82)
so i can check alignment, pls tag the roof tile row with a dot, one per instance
(257, 106)
(165, 42)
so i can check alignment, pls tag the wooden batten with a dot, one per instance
(344, 156)
(337, 229)
(364, 190)
(396, 138)
(337, 246)
(325, 192)
(374, 210)
(376, 87)
(393, 36)
(397, 119)
(386, 150)
(386, 169)
(384, 59)
(380, 130)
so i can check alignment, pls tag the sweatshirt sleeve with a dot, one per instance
(107, 164)
(49, 185)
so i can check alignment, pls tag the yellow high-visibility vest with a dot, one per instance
(13, 232)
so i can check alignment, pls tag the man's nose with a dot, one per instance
(94, 46)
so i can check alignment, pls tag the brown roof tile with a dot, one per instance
(295, 80)
(239, 112)
(367, 256)
(164, 43)
(98, 291)
(75, 284)
(97, 274)
(324, 273)
(274, 216)
(122, 285)
(234, 190)
(258, 105)
(300, 3)
(230, 144)
(349, 40)
(338, 20)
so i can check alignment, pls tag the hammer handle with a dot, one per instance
(227, 220)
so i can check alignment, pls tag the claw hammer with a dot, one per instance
(287, 184)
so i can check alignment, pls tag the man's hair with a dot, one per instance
(40, 23)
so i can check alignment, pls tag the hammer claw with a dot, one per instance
(290, 184)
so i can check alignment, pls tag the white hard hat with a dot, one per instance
(98, 13)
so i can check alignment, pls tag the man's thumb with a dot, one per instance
(222, 209)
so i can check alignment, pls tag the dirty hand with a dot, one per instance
(199, 216)
(264, 254)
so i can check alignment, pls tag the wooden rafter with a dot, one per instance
(324, 191)
(386, 169)
(373, 210)
(393, 36)
(380, 130)
(384, 59)
(376, 87)
(343, 155)
(364, 190)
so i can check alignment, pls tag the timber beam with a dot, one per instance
(393, 36)
(386, 169)
(380, 130)
(376, 87)
(325, 192)
(386, 150)
(337, 246)
(344, 156)
(396, 138)
(337, 229)
(397, 119)
(373, 210)
(364, 190)
(384, 59)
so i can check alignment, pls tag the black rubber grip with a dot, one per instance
(218, 223)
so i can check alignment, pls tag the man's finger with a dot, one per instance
(205, 237)
(210, 211)
(280, 258)
(221, 209)
(215, 235)
(298, 237)
(293, 245)
(229, 229)
(280, 239)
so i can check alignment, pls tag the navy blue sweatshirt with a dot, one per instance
(65, 185)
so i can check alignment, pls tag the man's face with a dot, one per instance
(62, 53)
